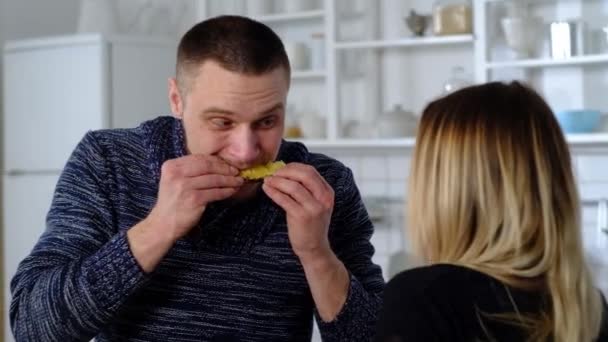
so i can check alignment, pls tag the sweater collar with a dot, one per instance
(166, 140)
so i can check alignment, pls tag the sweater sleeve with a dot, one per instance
(81, 270)
(350, 234)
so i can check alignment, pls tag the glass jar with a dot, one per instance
(452, 17)
(292, 127)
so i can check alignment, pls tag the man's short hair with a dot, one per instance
(237, 43)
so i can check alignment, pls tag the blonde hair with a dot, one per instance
(492, 189)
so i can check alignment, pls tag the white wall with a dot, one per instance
(32, 18)
(26, 19)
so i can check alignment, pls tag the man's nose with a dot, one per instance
(245, 147)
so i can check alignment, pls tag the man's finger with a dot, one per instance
(199, 198)
(196, 165)
(291, 188)
(283, 200)
(218, 194)
(307, 176)
(213, 181)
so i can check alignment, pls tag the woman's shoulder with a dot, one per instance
(448, 302)
(430, 303)
(446, 287)
(461, 286)
(436, 277)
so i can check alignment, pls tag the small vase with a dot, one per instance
(417, 23)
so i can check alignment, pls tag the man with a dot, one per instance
(153, 236)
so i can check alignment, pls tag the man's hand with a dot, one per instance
(187, 185)
(308, 202)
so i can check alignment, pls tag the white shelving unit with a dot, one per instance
(290, 17)
(575, 140)
(405, 42)
(310, 74)
(360, 143)
(380, 64)
(587, 139)
(576, 82)
(548, 62)
(389, 66)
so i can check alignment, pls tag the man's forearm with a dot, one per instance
(149, 244)
(329, 282)
(76, 295)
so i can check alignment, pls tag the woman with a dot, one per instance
(494, 211)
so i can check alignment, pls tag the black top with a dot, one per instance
(451, 303)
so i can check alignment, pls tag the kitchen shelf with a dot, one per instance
(308, 74)
(549, 62)
(532, 2)
(588, 139)
(574, 140)
(86, 39)
(407, 42)
(357, 143)
(288, 17)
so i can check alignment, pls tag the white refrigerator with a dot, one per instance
(55, 90)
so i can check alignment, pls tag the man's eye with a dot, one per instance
(267, 123)
(221, 123)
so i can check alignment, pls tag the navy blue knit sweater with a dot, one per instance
(234, 278)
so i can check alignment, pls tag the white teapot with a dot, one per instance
(312, 124)
(396, 123)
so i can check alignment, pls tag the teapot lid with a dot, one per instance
(397, 109)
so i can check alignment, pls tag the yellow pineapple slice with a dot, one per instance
(261, 171)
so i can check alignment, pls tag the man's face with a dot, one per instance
(239, 118)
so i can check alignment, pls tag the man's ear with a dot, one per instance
(175, 99)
